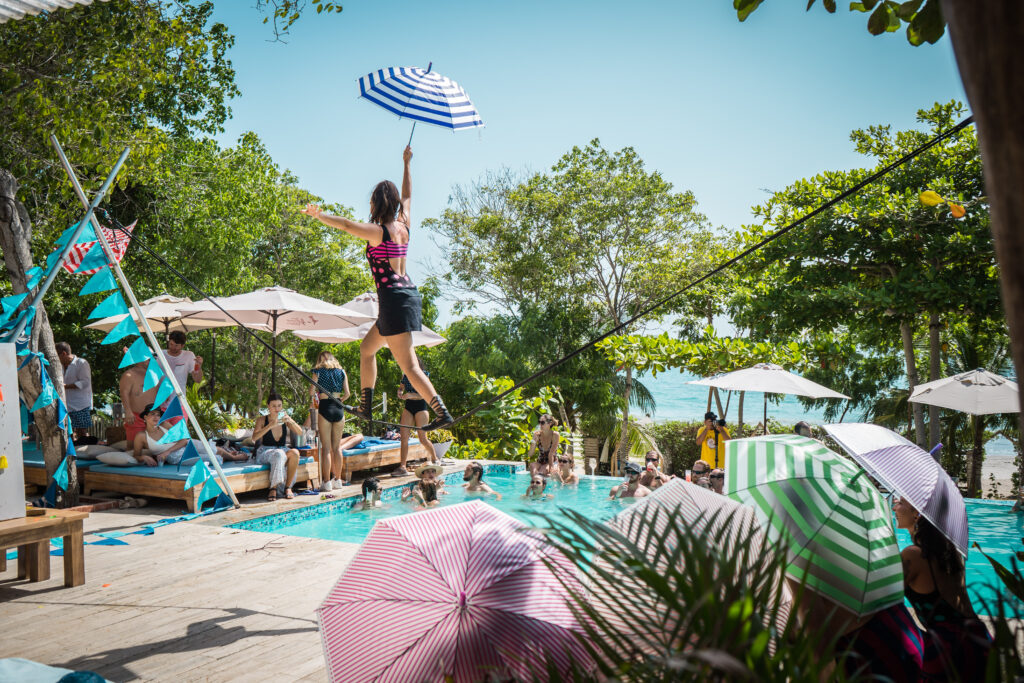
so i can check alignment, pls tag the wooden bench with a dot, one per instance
(31, 535)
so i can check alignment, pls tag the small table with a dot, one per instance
(31, 535)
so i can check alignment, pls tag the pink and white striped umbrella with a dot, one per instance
(455, 593)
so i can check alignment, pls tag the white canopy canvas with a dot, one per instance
(977, 392)
(164, 315)
(278, 309)
(425, 337)
(770, 379)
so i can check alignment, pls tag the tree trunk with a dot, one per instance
(620, 451)
(911, 365)
(16, 240)
(977, 456)
(718, 403)
(934, 372)
(986, 36)
(739, 416)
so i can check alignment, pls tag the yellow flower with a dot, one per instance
(930, 198)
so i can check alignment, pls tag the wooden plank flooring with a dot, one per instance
(193, 602)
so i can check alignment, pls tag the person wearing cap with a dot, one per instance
(631, 488)
(710, 438)
(801, 428)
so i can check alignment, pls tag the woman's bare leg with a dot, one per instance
(324, 430)
(403, 432)
(337, 459)
(405, 356)
(368, 348)
(420, 420)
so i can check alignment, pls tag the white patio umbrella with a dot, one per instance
(162, 312)
(977, 392)
(277, 309)
(425, 337)
(768, 378)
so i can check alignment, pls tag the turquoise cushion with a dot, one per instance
(172, 471)
(386, 446)
(34, 458)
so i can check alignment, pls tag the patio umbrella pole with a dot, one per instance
(213, 363)
(273, 358)
(146, 329)
(765, 413)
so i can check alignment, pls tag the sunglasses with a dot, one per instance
(563, 460)
(700, 471)
(652, 460)
(718, 476)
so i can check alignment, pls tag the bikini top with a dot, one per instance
(544, 451)
(155, 447)
(380, 257)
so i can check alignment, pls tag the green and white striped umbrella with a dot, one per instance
(825, 513)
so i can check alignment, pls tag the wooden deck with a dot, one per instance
(193, 602)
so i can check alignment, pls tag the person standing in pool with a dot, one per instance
(474, 478)
(538, 483)
(400, 307)
(631, 488)
(545, 443)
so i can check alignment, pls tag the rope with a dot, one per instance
(618, 328)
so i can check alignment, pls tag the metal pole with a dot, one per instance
(146, 329)
(90, 208)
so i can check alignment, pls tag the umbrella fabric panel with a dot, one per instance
(530, 592)
(833, 523)
(343, 630)
(977, 392)
(414, 93)
(525, 643)
(443, 540)
(768, 378)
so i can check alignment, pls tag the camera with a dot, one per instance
(715, 422)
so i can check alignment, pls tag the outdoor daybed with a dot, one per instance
(35, 468)
(380, 453)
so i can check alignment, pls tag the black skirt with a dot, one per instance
(399, 310)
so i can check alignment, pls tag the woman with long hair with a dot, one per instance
(414, 413)
(274, 436)
(331, 419)
(545, 443)
(956, 641)
(400, 307)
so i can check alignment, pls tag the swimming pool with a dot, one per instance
(336, 521)
(998, 531)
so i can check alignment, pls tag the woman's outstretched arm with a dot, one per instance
(364, 231)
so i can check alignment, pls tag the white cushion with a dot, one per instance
(117, 458)
(119, 445)
(90, 451)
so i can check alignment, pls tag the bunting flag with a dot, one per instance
(172, 410)
(34, 274)
(176, 433)
(190, 457)
(136, 353)
(211, 489)
(88, 235)
(198, 474)
(50, 496)
(9, 304)
(102, 281)
(71, 452)
(47, 395)
(86, 258)
(112, 305)
(165, 391)
(62, 414)
(153, 375)
(28, 315)
(223, 501)
(24, 417)
(52, 258)
(60, 477)
(125, 328)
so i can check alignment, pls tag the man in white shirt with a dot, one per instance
(77, 390)
(183, 363)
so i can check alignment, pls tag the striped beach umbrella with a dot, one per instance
(825, 513)
(421, 95)
(910, 471)
(459, 593)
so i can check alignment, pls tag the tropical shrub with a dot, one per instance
(440, 436)
(677, 441)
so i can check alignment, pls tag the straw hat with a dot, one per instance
(438, 470)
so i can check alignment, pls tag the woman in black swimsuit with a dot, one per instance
(399, 304)
(415, 413)
(545, 442)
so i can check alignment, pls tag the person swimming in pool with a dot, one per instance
(427, 490)
(631, 488)
(538, 482)
(566, 473)
(474, 478)
(371, 495)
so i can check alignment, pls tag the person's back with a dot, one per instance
(135, 399)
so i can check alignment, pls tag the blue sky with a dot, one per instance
(725, 109)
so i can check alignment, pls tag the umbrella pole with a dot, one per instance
(213, 363)
(766, 413)
(409, 144)
(273, 358)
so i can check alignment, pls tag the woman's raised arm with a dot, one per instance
(364, 231)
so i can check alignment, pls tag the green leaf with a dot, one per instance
(870, 4)
(858, 7)
(928, 25)
(878, 22)
(745, 7)
(906, 10)
(830, 6)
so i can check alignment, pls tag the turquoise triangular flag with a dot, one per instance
(102, 281)
(34, 275)
(125, 328)
(176, 433)
(94, 259)
(223, 501)
(210, 491)
(47, 395)
(136, 353)
(53, 258)
(62, 414)
(71, 447)
(190, 456)
(88, 235)
(28, 314)
(165, 391)
(61, 475)
(172, 411)
(108, 541)
(153, 375)
(24, 417)
(198, 474)
(112, 305)
(10, 303)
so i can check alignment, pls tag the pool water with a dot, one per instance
(345, 520)
(998, 531)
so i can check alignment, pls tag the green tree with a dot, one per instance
(127, 72)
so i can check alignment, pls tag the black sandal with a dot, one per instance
(272, 496)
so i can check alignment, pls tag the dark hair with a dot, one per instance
(384, 202)
(178, 337)
(274, 396)
(370, 484)
(710, 416)
(477, 469)
(550, 419)
(800, 426)
(62, 346)
(150, 409)
(934, 545)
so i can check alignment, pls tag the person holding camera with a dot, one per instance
(710, 438)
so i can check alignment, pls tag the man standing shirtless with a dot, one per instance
(134, 399)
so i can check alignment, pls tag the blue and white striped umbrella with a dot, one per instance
(420, 95)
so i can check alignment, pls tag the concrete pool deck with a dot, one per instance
(195, 601)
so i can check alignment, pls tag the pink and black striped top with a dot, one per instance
(380, 266)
